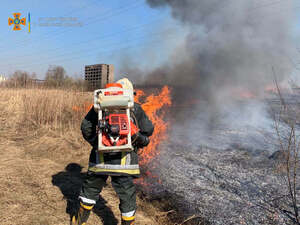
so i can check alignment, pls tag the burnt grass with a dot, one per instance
(232, 186)
(225, 186)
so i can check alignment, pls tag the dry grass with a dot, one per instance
(39, 136)
(55, 108)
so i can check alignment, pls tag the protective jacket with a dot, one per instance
(120, 163)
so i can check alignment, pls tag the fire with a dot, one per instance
(86, 107)
(271, 88)
(241, 93)
(153, 106)
(247, 94)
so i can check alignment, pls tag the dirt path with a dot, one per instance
(41, 175)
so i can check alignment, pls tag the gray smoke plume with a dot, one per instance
(230, 47)
(229, 44)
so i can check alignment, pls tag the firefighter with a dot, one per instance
(123, 167)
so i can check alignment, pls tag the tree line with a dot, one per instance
(55, 77)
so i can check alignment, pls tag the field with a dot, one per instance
(44, 158)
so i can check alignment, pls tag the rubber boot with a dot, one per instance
(128, 220)
(82, 214)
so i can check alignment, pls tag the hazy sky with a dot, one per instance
(74, 33)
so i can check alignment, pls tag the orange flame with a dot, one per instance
(271, 88)
(86, 107)
(241, 93)
(153, 106)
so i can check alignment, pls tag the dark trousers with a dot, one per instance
(123, 185)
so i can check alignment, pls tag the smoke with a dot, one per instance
(229, 49)
(229, 44)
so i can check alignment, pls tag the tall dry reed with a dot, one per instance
(55, 109)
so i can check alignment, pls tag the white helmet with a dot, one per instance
(125, 83)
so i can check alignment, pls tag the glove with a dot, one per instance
(140, 140)
(94, 141)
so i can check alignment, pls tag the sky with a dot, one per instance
(75, 33)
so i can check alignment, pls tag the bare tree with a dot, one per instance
(56, 76)
(289, 143)
(21, 79)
